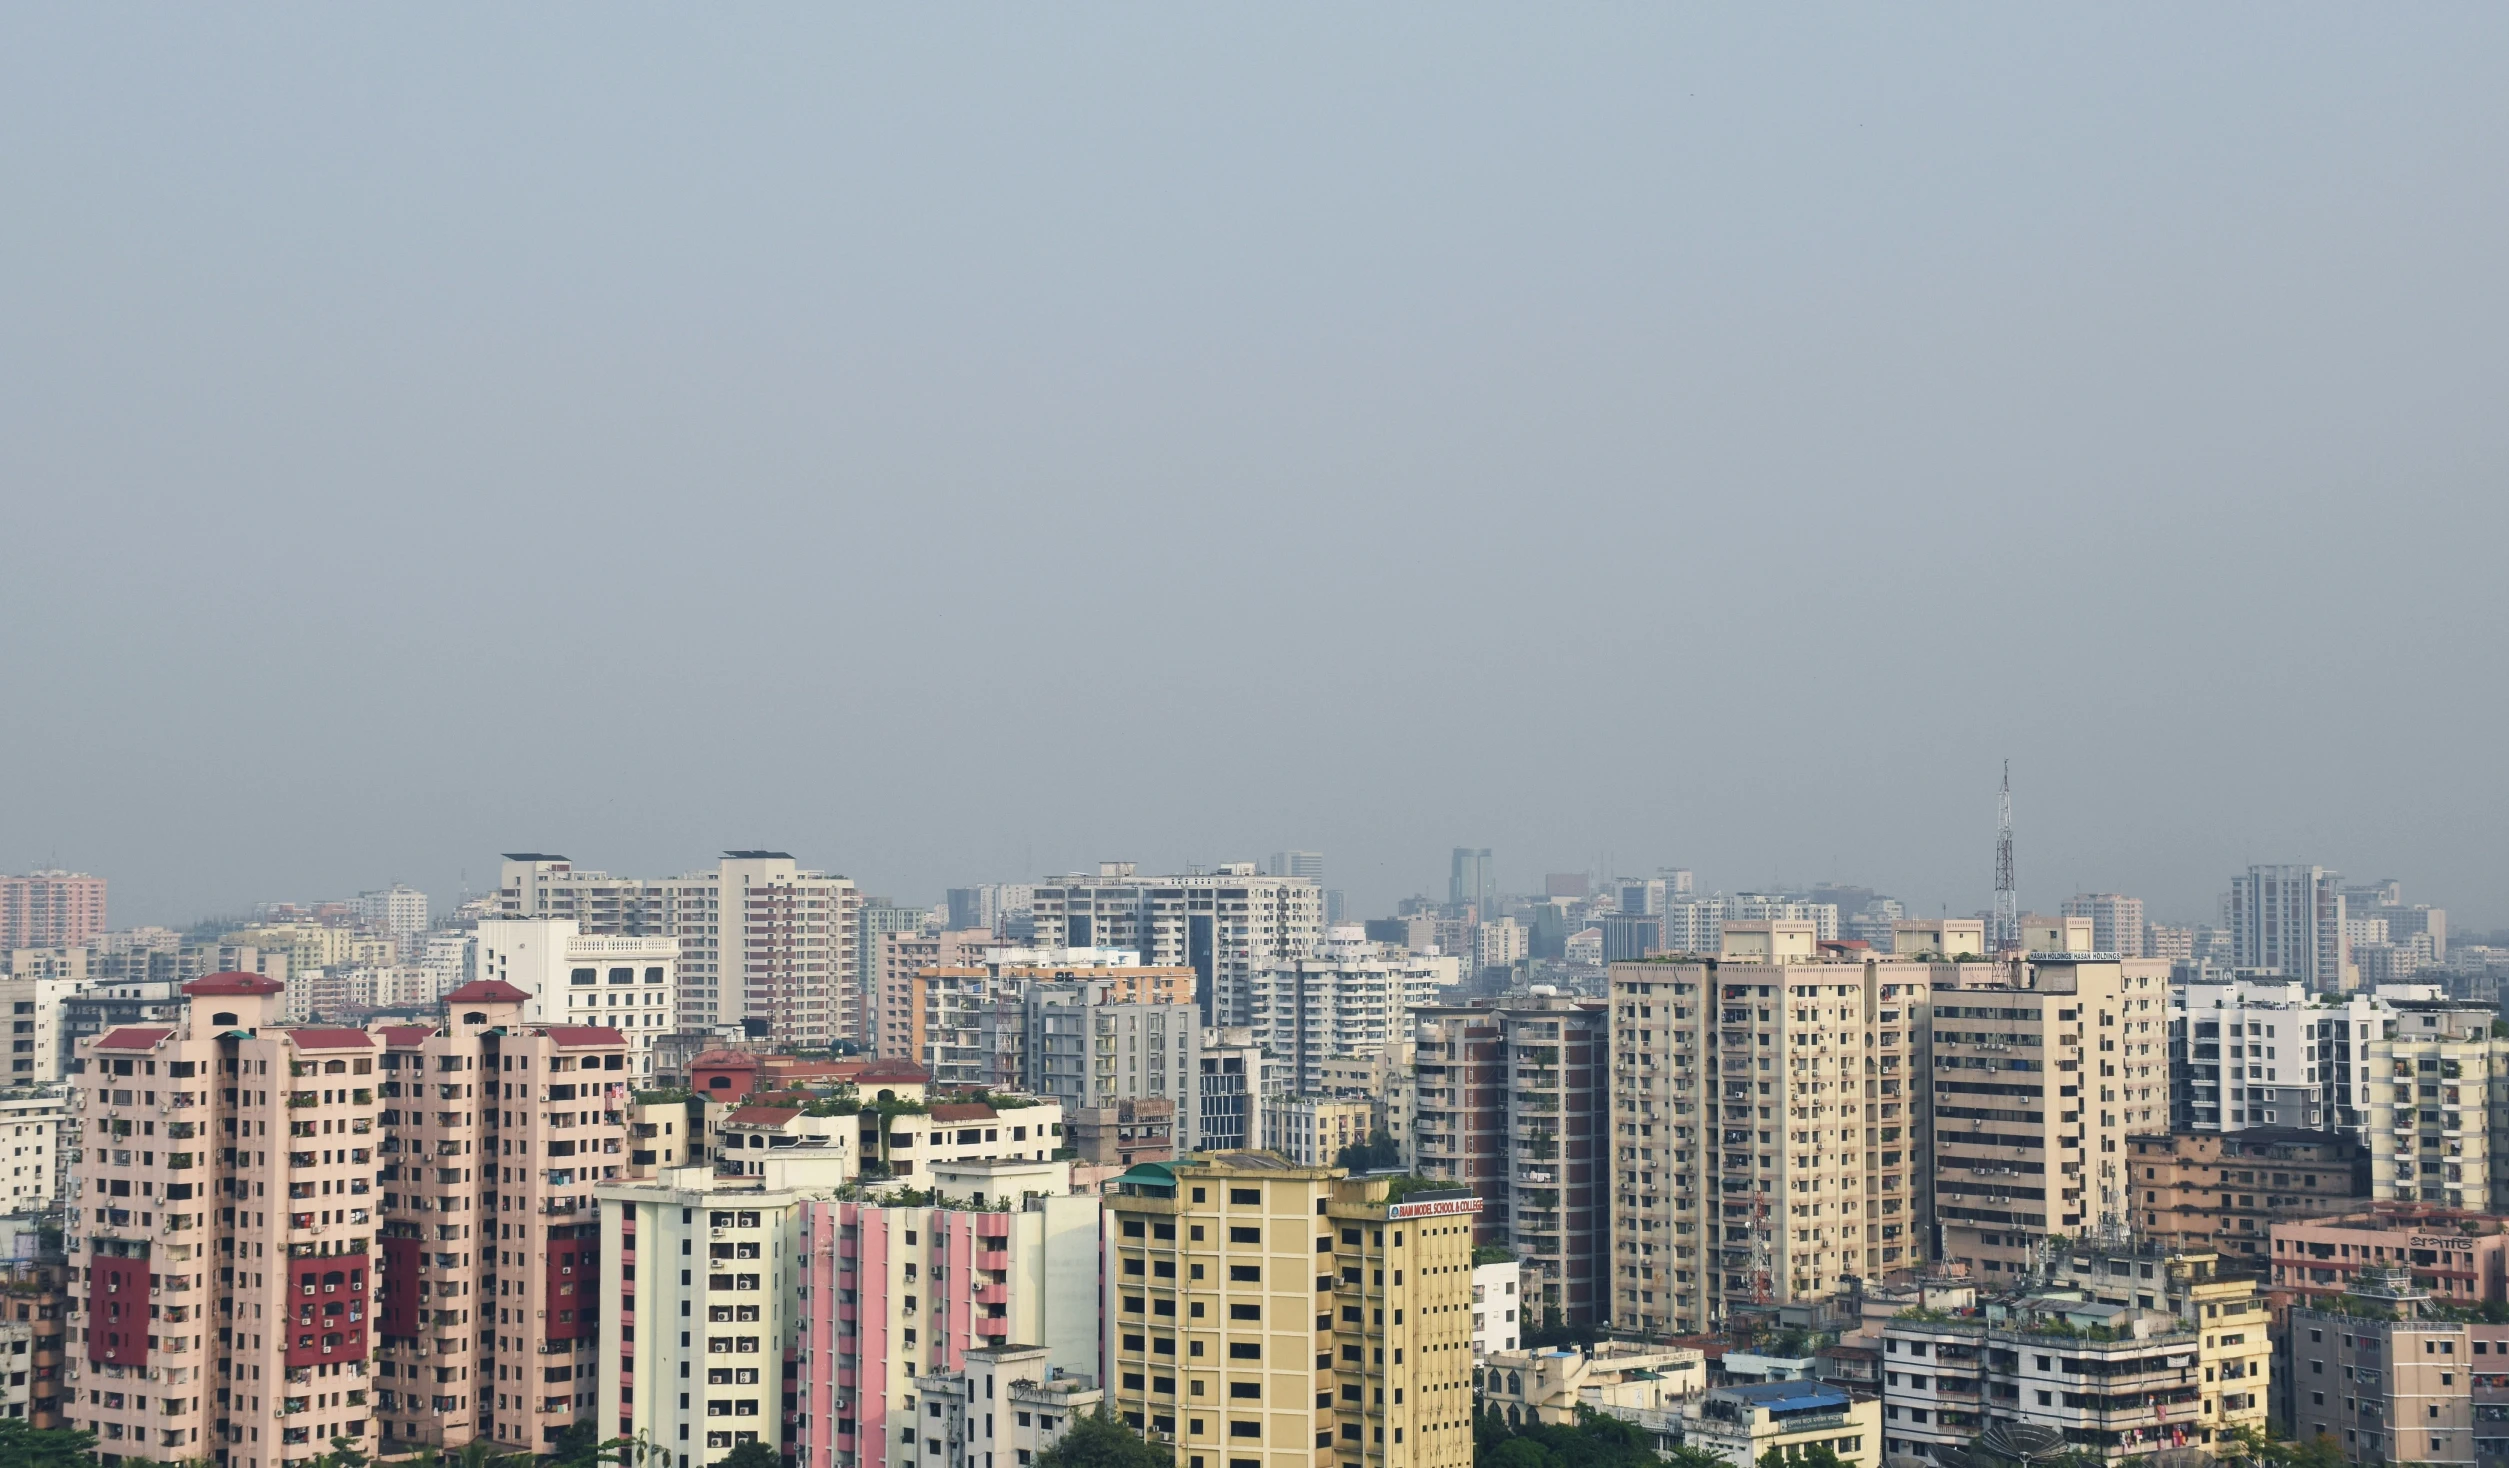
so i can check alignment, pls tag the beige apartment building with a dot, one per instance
(488, 1321)
(1264, 1315)
(1769, 1125)
(2041, 1068)
(760, 938)
(2428, 1127)
(220, 1231)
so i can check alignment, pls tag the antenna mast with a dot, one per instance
(2007, 932)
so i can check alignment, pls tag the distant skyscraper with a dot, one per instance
(50, 909)
(1565, 884)
(1298, 864)
(2289, 918)
(1470, 879)
(2116, 922)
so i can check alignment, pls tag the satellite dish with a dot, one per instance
(2021, 1441)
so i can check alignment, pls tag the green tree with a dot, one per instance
(753, 1455)
(1378, 1152)
(22, 1446)
(1686, 1456)
(1099, 1441)
(1520, 1452)
(1815, 1455)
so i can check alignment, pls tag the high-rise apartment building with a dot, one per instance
(2433, 1075)
(1769, 1125)
(2116, 922)
(762, 942)
(966, 1023)
(2289, 918)
(780, 956)
(573, 978)
(1353, 997)
(1235, 1081)
(33, 1124)
(1513, 1101)
(398, 911)
(1095, 1038)
(34, 1006)
(879, 920)
(893, 1297)
(1308, 864)
(2270, 1053)
(51, 909)
(1263, 1315)
(220, 1232)
(895, 1013)
(2041, 1069)
(1225, 926)
(1500, 943)
(708, 1270)
(496, 1131)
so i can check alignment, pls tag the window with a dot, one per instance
(1246, 1273)
(1252, 1389)
(1245, 1312)
(1250, 1351)
(1245, 1429)
(1248, 1198)
(1245, 1236)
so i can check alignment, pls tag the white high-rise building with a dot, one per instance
(2116, 921)
(33, 1005)
(761, 940)
(399, 910)
(2289, 918)
(1353, 997)
(1499, 944)
(2267, 1052)
(1225, 925)
(625, 984)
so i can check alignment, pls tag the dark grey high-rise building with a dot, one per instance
(1470, 879)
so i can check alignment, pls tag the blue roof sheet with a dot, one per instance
(1787, 1396)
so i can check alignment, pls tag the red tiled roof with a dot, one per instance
(406, 1034)
(890, 1069)
(133, 1037)
(328, 1037)
(761, 1116)
(488, 991)
(963, 1111)
(233, 983)
(724, 1060)
(573, 1035)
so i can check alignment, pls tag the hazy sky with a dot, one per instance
(961, 444)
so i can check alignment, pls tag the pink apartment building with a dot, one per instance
(50, 910)
(488, 1324)
(2460, 1258)
(220, 1230)
(891, 1294)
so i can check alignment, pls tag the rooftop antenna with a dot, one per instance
(2007, 899)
